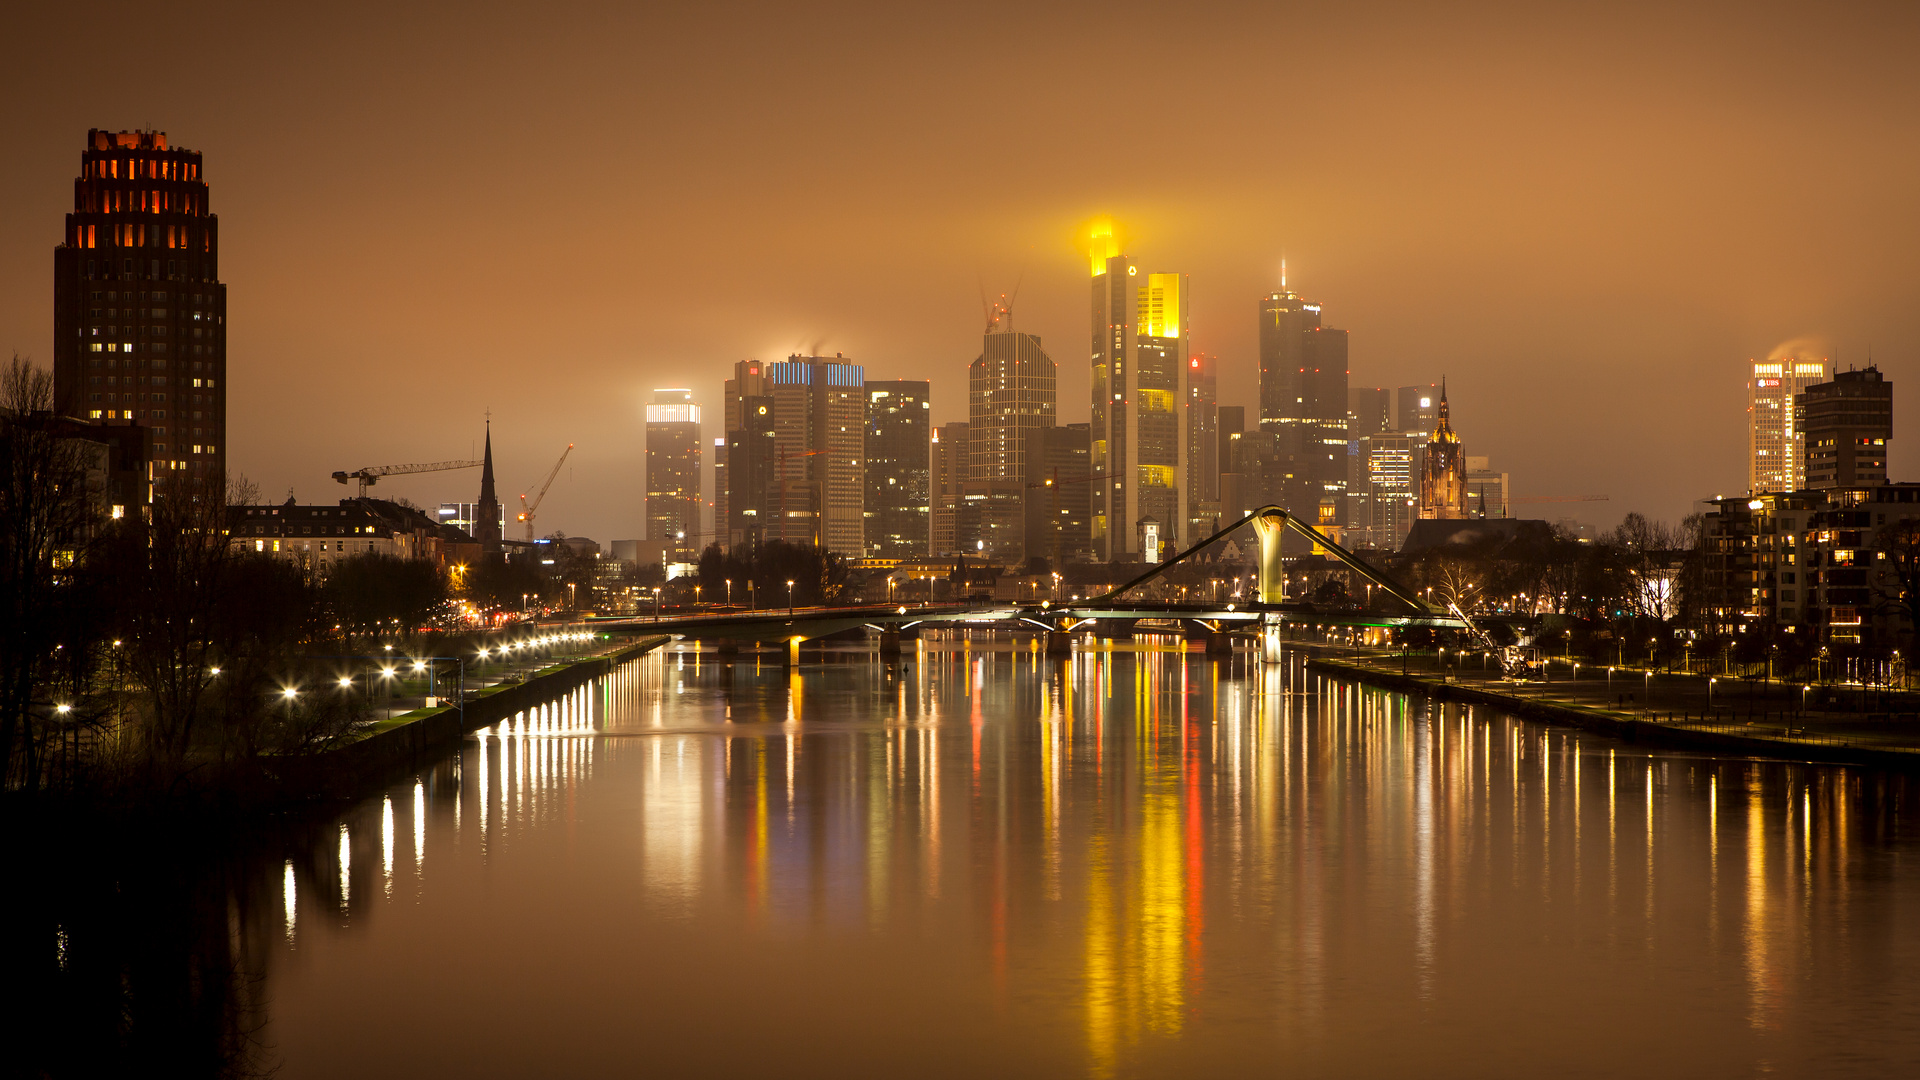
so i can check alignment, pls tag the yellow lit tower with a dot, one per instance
(1139, 418)
(1776, 447)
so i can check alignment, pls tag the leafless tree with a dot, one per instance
(44, 512)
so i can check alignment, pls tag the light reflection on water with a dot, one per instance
(1138, 862)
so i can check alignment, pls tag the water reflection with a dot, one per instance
(1135, 862)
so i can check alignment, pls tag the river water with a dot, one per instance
(1135, 863)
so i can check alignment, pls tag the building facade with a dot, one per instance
(1776, 446)
(319, 538)
(1443, 469)
(948, 472)
(1202, 483)
(817, 409)
(899, 469)
(1138, 426)
(1010, 392)
(1303, 409)
(139, 312)
(673, 472)
(1059, 493)
(1848, 422)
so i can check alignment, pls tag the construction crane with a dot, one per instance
(372, 473)
(527, 508)
(1558, 498)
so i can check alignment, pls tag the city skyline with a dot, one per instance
(344, 291)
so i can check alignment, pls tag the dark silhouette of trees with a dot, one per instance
(818, 575)
(372, 595)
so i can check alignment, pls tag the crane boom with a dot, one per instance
(1558, 498)
(372, 473)
(527, 508)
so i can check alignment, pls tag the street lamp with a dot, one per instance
(789, 598)
(729, 592)
(1710, 684)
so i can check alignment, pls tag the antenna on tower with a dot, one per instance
(1283, 273)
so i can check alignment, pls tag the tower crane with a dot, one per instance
(372, 473)
(527, 508)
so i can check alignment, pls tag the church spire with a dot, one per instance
(486, 514)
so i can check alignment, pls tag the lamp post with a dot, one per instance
(729, 592)
(789, 599)
(1711, 682)
(656, 603)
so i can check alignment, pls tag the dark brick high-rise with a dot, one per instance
(139, 313)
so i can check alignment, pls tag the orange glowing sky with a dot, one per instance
(1587, 220)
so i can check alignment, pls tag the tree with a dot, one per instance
(371, 594)
(45, 509)
(1899, 545)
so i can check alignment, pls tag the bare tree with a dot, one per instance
(44, 514)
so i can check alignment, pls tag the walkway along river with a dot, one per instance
(1136, 862)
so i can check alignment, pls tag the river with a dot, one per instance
(1135, 863)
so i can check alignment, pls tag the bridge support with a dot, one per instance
(890, 643)
(1059, 644)
(1271, 648)
(1273, 575)
(793, 652)
(1114, 629)
(728, 648)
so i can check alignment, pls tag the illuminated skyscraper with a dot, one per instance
(899, 444)
(139, 313)
(816, 409)
(1010, 392)
(673, 472)
(1847, 425)
(1138, 429)
(951, 449)
(1202, 482)
(1776, 446)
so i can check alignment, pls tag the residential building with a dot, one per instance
(899, 463)
(1848, 422)
(139, 312)
(317, 538)
(1776, 450)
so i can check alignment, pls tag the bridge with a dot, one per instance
(1112, 613)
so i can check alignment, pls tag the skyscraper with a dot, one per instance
(673, 472)
(1848, 423)
(1369, 410)
(817, 406)
(1303, 407)
(1138, 429)
(951, 449)
(1443, 468)
(1202, 481)
(1058, 494)
(487, 516)
(139, 313)
(1392, 496)
(1010, 392)
(899, 445)
(1418, 408)
(1776, 447)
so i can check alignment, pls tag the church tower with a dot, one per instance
(1443, 471)
(486, 516)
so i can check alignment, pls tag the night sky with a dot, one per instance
(1587, 220)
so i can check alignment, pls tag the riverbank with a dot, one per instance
(410, 740)
(1783, 737)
